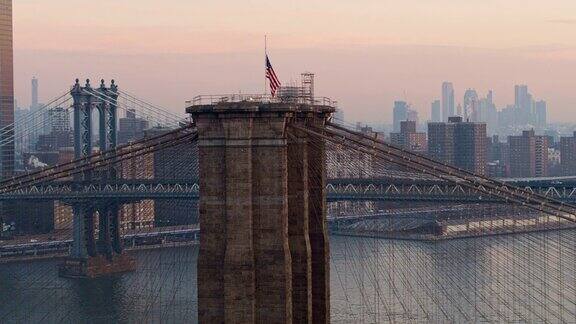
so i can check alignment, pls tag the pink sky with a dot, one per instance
(365, 53)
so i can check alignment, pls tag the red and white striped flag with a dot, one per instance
(272, 78)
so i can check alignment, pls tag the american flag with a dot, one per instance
(272, 78)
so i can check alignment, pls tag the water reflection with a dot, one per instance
(513, 278)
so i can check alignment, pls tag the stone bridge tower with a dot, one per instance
(264, 254)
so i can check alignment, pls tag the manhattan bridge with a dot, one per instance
(298, 217)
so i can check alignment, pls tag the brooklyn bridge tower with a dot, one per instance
(264, 245)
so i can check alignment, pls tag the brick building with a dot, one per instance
(462, 144)
(528, 155)
(409, 138)
(568, 155)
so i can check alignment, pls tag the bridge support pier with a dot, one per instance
(90, 258)
(262, 216)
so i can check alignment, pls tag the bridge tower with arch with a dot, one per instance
(91, 257)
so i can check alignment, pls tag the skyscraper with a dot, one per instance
(521, 96)
(6, 90)
(447, 100)
(400, 113)
(523, 104)
(540, 112)
(34, 104)
(471, 105)
(22, 138)
(37, 123)
(436, 111)
(487, 113)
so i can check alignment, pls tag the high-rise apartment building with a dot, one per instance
(436, 111)
(400, 113)
(541, 156)
(131, 127)
(497, 157)
(470, 146)
(59, 120)
(57, 132)
(441, 142)
(568, 155)
(6, 90)
(462, 144)
(528, 155)
(497, 150)
(447, 101)
(409, 138)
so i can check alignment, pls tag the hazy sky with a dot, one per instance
(365, 53)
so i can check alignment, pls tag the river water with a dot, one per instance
(513, 278)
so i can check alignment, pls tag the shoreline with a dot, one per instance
(415, 238)
(63, 255)
(436, 239)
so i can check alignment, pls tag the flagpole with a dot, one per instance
(265, 58)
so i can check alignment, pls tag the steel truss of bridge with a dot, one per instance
(376, 189)
(129, 190)
(361, 189)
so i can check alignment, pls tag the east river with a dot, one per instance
(511, 278)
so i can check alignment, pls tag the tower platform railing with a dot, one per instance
(263, 98)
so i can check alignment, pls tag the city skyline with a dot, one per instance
(179, 47)
(248, 202)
